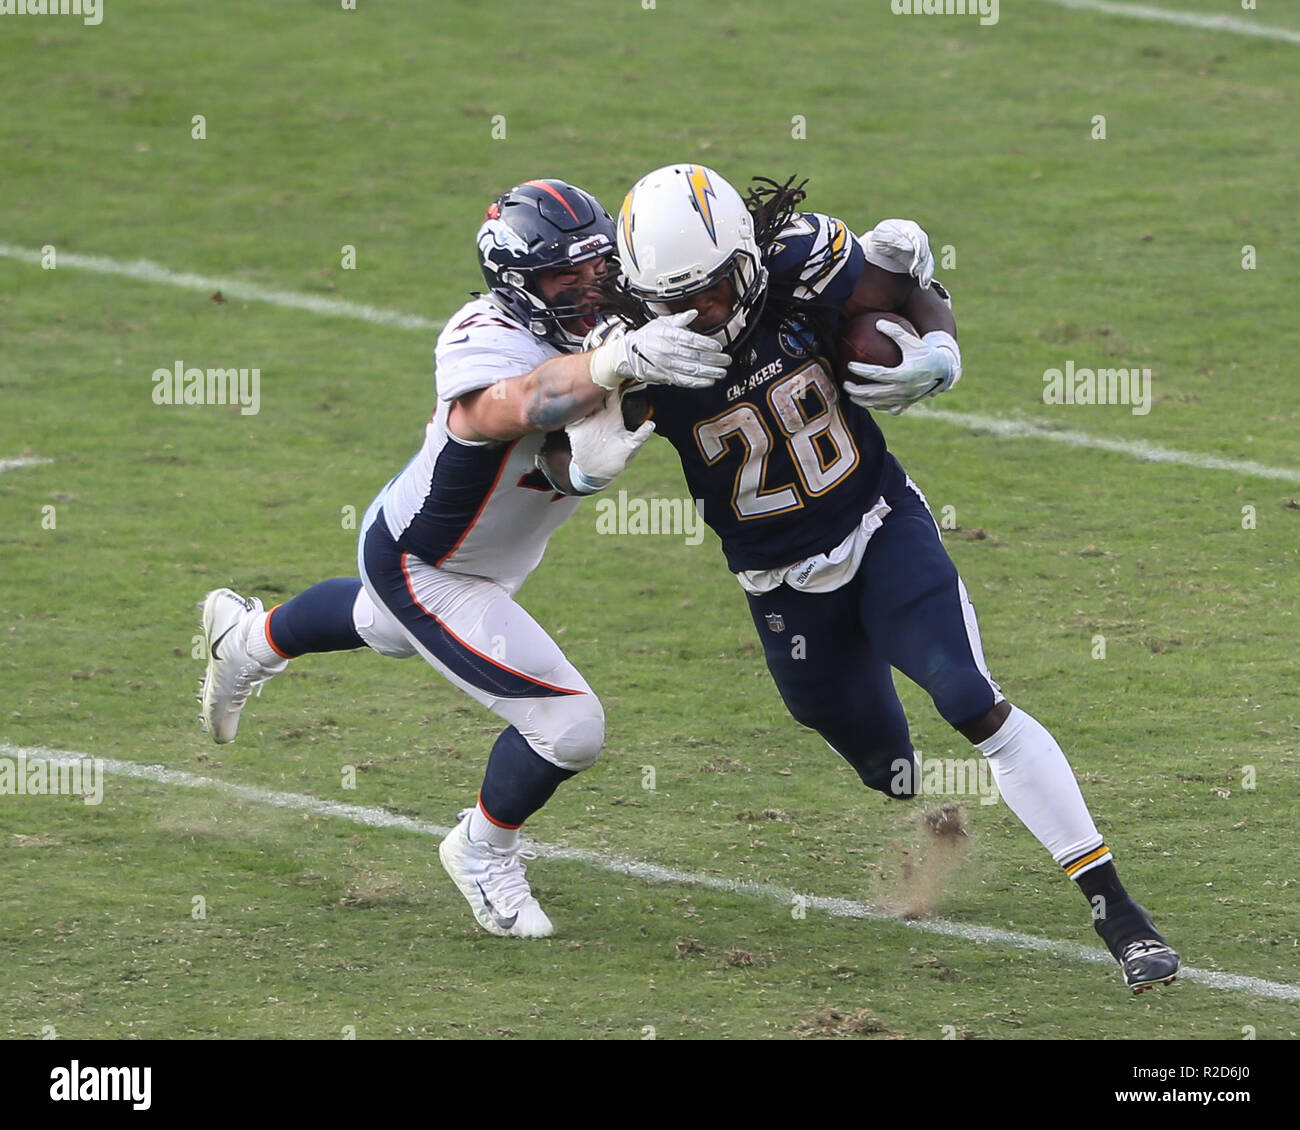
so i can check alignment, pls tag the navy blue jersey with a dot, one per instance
(784, 467)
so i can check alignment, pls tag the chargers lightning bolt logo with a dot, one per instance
(701, 190)
(625, 223)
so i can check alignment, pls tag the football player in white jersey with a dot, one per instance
(449, 540)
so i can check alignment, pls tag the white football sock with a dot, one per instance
(484, 831)
(258, 646)
(1038, 785)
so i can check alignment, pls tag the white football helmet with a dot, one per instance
(681, 230)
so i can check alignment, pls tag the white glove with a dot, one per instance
(930, 365)
(602, 446)
(900, 246)
(660, 352)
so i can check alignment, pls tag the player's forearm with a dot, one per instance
(557, 392)
(561, 391)
(928, 312)
(881, 289)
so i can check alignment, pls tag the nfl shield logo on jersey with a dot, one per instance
(796, 340)
(775, 621)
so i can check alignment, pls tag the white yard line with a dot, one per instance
(18, 462)
(1137, 448)
(651, 872)
(1235, 25)
(337, 308)
(144, 271)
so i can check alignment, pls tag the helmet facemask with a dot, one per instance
(554, 321)
(748, 278)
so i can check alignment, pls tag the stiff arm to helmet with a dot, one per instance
(663, 351)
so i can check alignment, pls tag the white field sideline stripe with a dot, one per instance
(337, 308)
(1233, 24)
(144, 271)
(650, 872)
(17, 462)
(1139, 449)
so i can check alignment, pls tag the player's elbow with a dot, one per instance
(511, 419)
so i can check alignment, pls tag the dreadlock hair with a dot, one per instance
(772, 206)
(617, 301)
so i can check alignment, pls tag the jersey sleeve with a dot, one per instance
(481, 346)
(816, 258)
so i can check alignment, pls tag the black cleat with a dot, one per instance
(1144, 956)
(1148, 962)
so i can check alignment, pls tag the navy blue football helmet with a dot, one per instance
(539, 226)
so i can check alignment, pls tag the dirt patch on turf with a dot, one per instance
(832, 1024)
(733, 957)
(37, 839)
(925, 873)
(372, 890)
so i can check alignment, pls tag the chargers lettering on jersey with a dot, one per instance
(783, 465)
(755, 379)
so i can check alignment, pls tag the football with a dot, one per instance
(861, 341)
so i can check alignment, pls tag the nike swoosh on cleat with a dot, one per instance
(213, 648)
(497, 917)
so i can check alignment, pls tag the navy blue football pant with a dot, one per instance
(906, 608)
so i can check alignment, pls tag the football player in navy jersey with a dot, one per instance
(451, 538)
(833, 543)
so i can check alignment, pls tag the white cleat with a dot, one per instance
(492, 881)
(232, 673)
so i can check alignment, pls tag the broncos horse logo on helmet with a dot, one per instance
(543, 225)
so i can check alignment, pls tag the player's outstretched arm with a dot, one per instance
(564, 389)
(555, 393)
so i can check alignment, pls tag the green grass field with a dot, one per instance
(375, 128)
